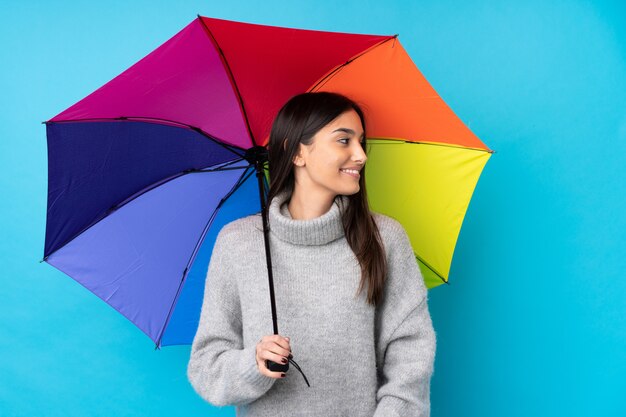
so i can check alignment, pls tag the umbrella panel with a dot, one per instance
(93, 166)
(125, 260)
(182, 81)
(186, 315)
(426, 187)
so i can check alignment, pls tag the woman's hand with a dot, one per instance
(274, 348)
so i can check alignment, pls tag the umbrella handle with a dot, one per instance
(276, 367)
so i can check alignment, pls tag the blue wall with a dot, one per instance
(534, 321)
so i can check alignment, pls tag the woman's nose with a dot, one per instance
(359, 154)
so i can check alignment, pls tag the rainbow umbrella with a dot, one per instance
(145, 171)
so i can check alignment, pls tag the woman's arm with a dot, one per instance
(407, 367)
(406, 340)
(221, 369)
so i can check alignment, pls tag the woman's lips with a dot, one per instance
(351, 173)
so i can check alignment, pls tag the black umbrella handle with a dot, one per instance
(276, 367)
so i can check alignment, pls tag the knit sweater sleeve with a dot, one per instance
(221, 369)
(406, 338)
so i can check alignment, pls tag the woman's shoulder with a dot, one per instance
(388, 226)
(393, 234)
(242, 227)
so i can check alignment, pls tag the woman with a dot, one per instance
(349, 293)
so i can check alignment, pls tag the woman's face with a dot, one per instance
(330, 165)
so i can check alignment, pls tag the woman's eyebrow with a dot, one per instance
(345, 130)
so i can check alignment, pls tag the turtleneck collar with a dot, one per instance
(317, 231)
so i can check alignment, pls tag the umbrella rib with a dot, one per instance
(136, 195)
(224, 167)
(334, 71)
(441, 277)
(445, 145)
(232, 148)
(231, 76)
(196, 249)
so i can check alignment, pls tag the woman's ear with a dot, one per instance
(298, 160)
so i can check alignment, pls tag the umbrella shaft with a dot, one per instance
(268, 257)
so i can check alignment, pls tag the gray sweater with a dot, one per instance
(361, 361)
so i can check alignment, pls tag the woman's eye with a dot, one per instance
(346, 140)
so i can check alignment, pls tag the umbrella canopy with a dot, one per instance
(145, 171)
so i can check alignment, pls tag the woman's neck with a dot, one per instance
(309, 205)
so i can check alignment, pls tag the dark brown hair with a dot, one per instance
(297, 122)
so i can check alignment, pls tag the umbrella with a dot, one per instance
(145, 171)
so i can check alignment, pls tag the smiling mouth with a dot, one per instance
(352, 172)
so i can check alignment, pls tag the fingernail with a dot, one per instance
(282, 375)
(284, 360)
(290, 356)
(286, 338)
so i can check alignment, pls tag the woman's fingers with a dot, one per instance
(274, 348)
(276, 344)
(266, 355)
(279, 345)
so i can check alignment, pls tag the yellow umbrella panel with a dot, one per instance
(427, 188)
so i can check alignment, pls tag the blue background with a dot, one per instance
(534, 321)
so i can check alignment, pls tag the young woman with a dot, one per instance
(350, 299)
